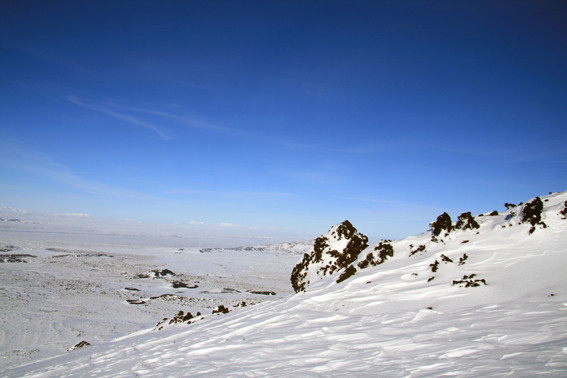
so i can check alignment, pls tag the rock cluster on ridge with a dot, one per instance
(343, 252)
(331, 252)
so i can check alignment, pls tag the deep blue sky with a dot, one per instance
(282, 114)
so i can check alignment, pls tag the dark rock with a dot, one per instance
(384, 251)
(81, 344)
(220, 310)
(322, 261)
(564, 211)
(350, 271)
(262, 292)
(434, 266)
(442, 223)
(463, 259)
(420, 248)
(531, 213)
(466, 221)
(179, 284)
(469, 281)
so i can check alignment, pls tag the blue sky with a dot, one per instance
(282, 114)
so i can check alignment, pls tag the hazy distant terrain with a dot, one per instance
(64, 279)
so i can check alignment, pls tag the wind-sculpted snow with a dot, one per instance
(486, 301)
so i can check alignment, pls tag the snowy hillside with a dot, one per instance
(482, 295)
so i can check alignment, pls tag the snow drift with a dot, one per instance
(485, 295)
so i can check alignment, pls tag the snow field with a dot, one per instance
(390, 320)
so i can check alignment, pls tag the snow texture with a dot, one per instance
(403, 317)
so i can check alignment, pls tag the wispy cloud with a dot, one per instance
(43, 165)
(123, 117)
(184, 120)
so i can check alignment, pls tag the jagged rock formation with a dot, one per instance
(531, 213)
(331, 252)
(442, 223)
(466, 221)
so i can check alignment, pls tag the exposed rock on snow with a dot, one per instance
(493, 306)
(329, 257)
(442, 223)
(331, 252)
(466, 221)
(564, 211)
(531, 213)
(16, 258)
(80, 344)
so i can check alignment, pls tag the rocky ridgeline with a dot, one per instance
(332, 252)
(343, 251)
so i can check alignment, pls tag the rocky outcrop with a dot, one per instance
(336, 250)
(531, 213)
(442, 223)
(466, 221)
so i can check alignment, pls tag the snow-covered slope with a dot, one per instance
(455, 300)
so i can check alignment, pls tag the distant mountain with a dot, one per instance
(482, 295)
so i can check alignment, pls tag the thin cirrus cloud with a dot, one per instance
(187, 121)
(123, 117)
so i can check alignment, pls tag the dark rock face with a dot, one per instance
(221, 310)
(328, 255)
(384, 250)
(466, 221)
(442, 223)
(350, 271)
(564, 211)
(79, 345)
(532, 213)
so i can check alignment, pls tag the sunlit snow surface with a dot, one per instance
(388, 320)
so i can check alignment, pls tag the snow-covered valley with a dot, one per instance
(64, 280)
(485, 295)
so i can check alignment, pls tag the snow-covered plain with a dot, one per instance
(400, 318)
(79, 274)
